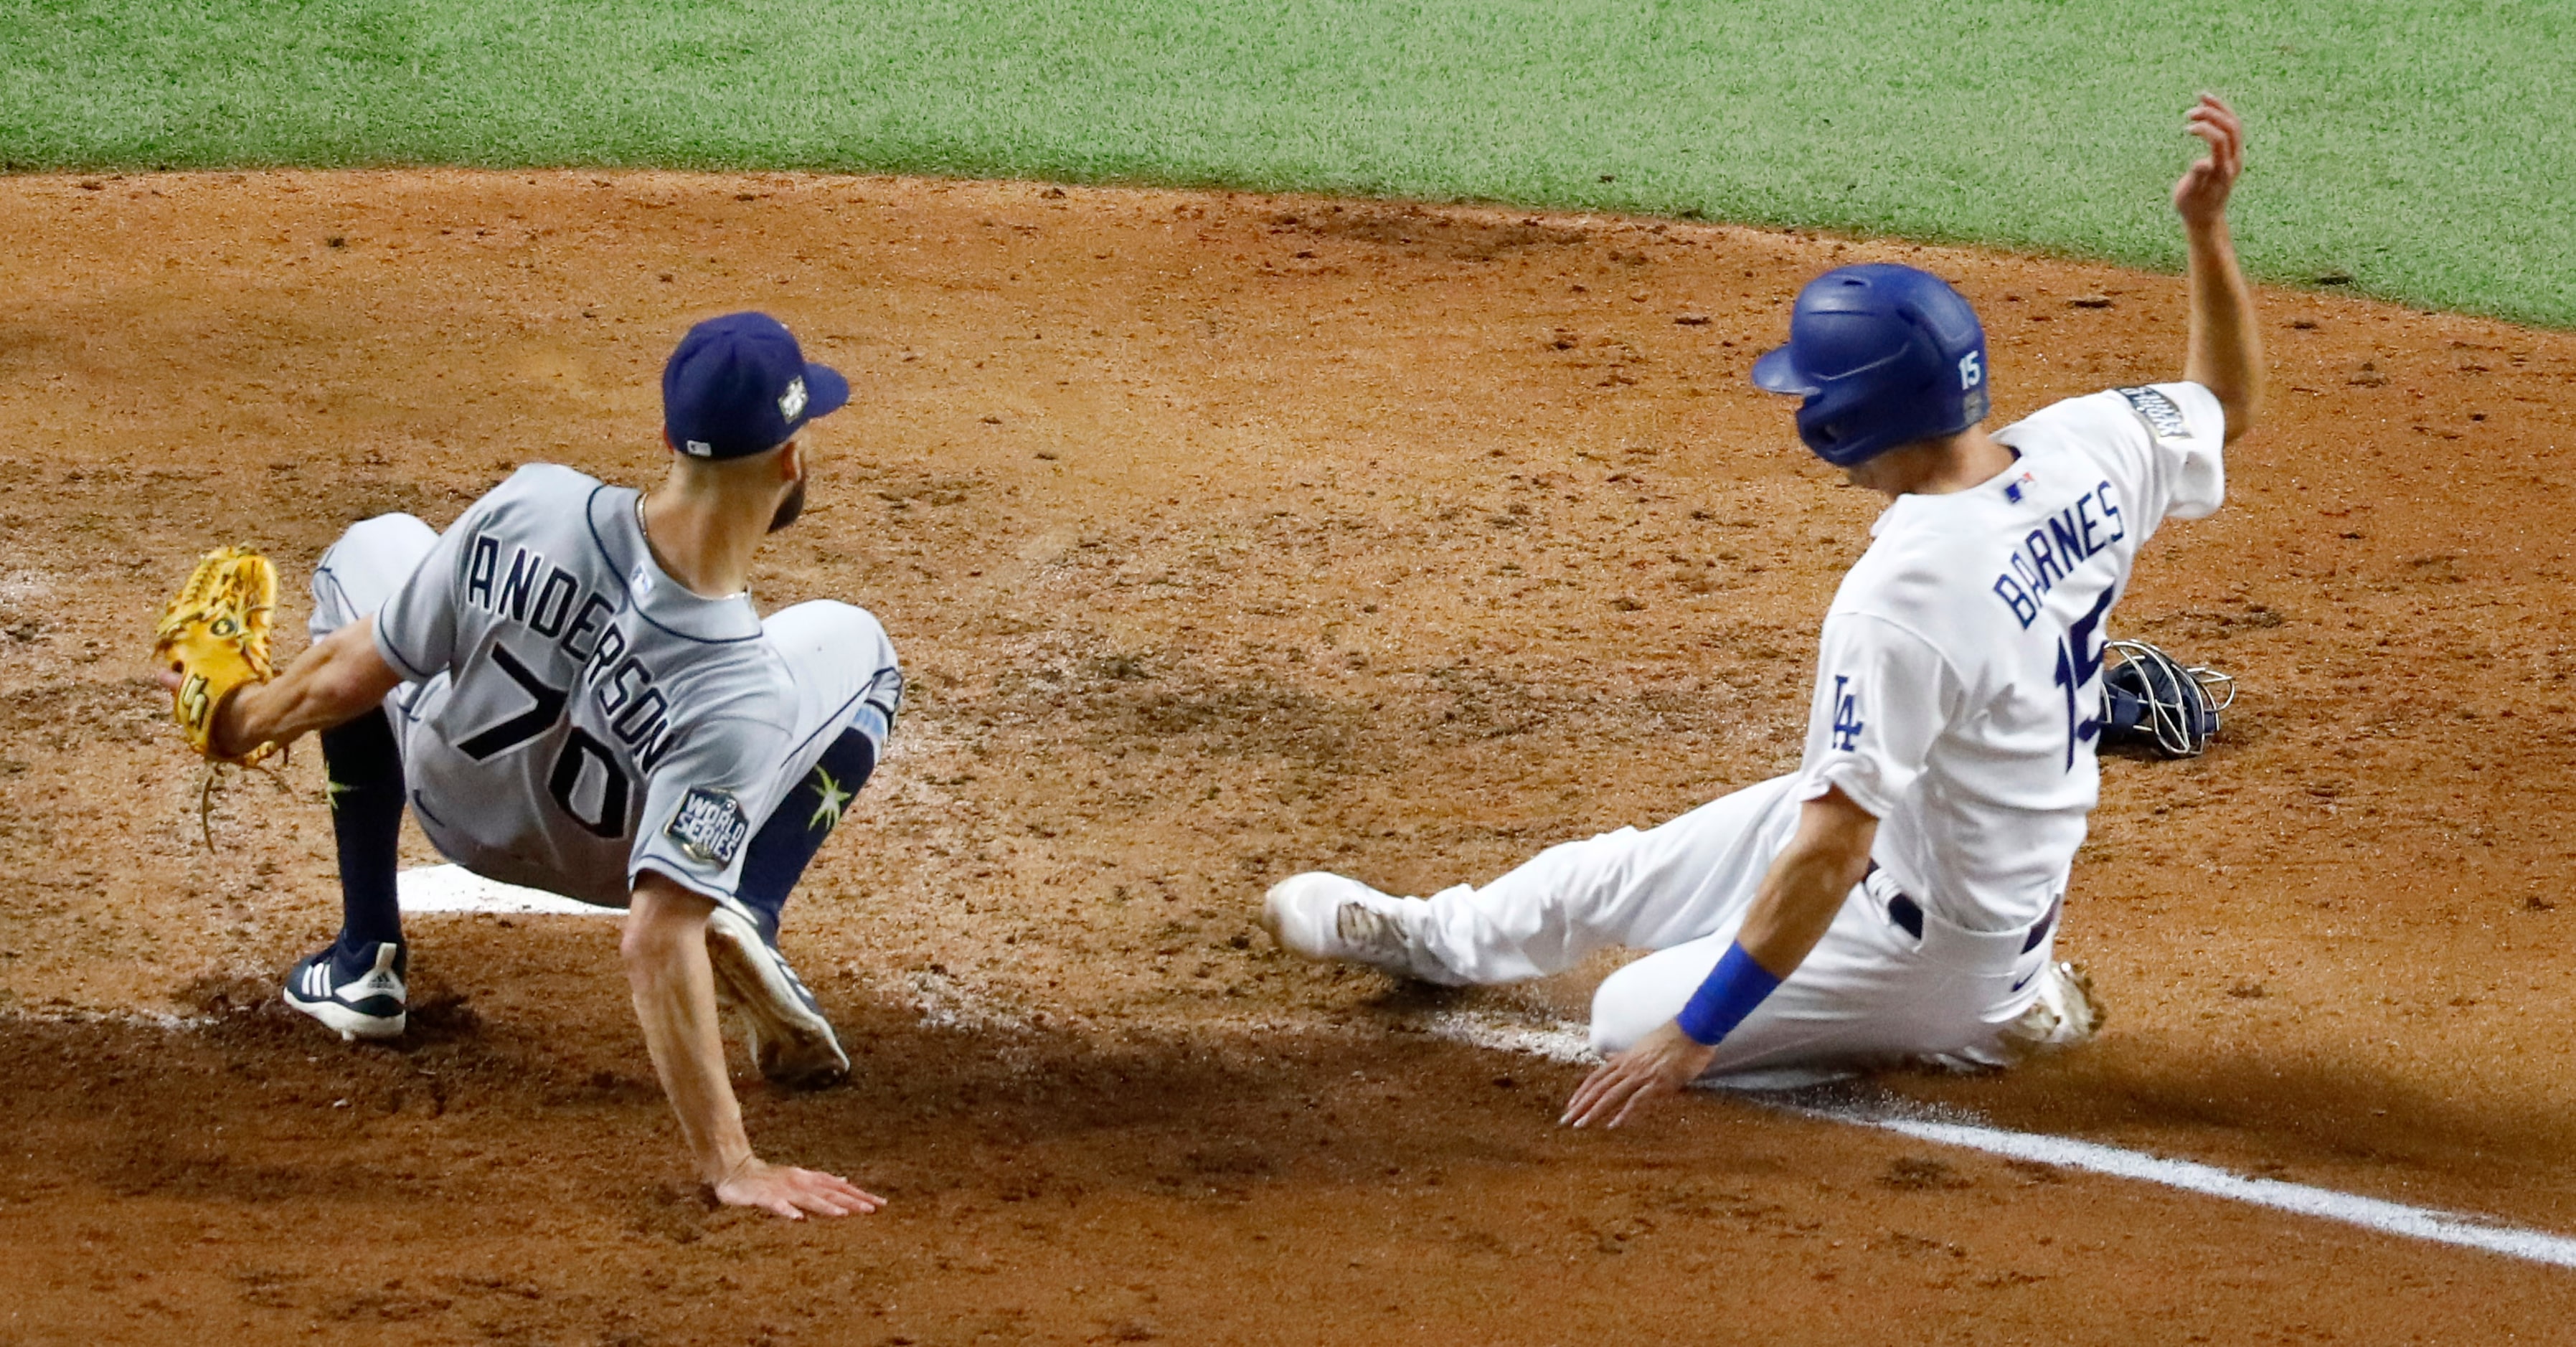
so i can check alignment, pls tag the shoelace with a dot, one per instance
(1364, 927)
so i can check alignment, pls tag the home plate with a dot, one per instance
(453, 888)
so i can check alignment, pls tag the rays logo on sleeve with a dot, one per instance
(709, 826)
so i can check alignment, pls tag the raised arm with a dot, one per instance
(2225, 354)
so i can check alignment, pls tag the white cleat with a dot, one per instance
(1325, 916)
(2066, 1014)
(790, 1039)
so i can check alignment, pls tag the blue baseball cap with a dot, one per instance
(738, 386)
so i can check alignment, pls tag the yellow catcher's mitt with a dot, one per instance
(215, 633)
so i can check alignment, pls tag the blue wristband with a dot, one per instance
(1732, 990)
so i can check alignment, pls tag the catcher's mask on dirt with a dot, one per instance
(738, 386)
(1884, 355)
(2150, 697)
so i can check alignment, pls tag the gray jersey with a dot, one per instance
(579, 716)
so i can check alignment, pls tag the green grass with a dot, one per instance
(2417, 147)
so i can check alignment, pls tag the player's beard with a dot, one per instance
(791, 507)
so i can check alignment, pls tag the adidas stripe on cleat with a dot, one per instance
(370, 1004)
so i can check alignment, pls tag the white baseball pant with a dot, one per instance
(1871, 993)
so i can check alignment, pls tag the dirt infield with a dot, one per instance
(1224, 537)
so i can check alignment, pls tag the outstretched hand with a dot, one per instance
(792, 1192)
(2201, 196)
(1659, 1064)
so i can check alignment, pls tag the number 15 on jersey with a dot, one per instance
(2079, 662)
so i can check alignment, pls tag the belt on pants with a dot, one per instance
(1908, 915)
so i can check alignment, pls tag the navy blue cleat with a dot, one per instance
(790, 1038)
(361, 996)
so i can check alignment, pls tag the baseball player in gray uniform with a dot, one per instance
(571, 690)
(1897, 897)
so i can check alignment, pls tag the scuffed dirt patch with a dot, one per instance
(1226, 537)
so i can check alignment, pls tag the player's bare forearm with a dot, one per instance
(2224, 353)
(1808, 882)
(665, 951)
(1805, 886)
(333, 681)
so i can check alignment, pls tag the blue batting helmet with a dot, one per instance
(1884, 355)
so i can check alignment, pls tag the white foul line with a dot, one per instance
(2395, 1218)
(1564, 1042)
(448, 888)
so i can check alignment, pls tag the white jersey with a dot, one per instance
(580, 716)
(1958, 686)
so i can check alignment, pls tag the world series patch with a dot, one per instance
(709, 826)
(2158, 411)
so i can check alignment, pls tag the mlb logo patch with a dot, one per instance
(2015, 489)
(709, 826)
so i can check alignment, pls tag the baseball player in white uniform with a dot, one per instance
(571, 690)
(1897, 897)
